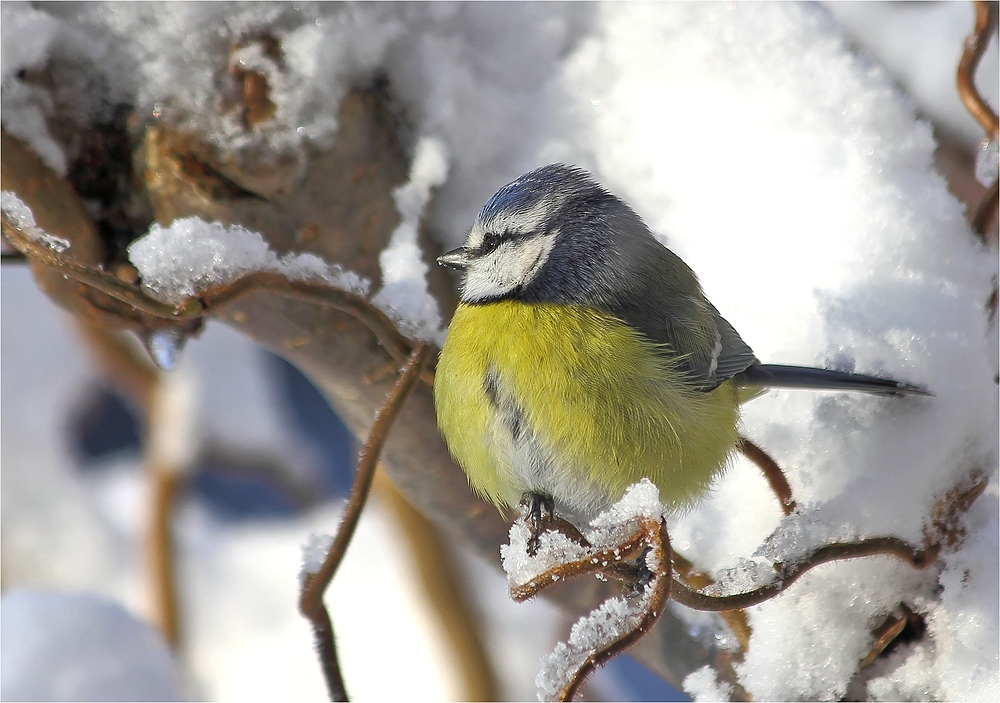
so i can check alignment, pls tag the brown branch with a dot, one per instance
(161, 554)
(442, 587)
(886, 634)
(613, 561)
(315, 585)
(94, 277)
(394, 342)
(695, 579)
(657, 538)
(943, 527)
(772, 472)
(130, 373)
(788, 574)
(975, 47)
(212, 299)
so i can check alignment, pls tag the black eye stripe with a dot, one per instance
(491, 240)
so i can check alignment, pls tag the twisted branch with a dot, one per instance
(651, 533)
(789, 573)
(772, 472)
(315, 584)
(975, 47)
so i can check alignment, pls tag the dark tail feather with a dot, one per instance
(776, 376)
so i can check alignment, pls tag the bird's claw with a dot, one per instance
(643, 577)
(539, 510)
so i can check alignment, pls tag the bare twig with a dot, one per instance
(394, 342)
(315, 585)
(887, 633)
(441, 584)
(650, 533)
(975, 47)
(943, 527)
(789, 573)
(658, 539)
(610, 561)
(698, 580)
(985, 213)
(772, 472)
(161, 554)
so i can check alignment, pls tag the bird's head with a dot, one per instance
(541, 235)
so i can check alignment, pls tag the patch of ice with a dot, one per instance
(15, 209)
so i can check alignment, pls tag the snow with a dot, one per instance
(62, 646)
(610, 528)
(404, 295)
(190, 255)
(703, 686)
(791, 174)
(850, 253)
(244, 639)
(314, 553)
(921, 44)
(20, 214)
(25, 106)
(615, 617)
(606, 624)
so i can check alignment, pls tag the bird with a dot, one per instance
(584, 356)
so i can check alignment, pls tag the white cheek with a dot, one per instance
(506, 269)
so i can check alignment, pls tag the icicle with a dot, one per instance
(164, 345)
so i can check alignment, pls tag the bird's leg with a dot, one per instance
(641, 578)
(540, 512)
(540, 509)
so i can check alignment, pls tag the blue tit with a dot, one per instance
(584, 356)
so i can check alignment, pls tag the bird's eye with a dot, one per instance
(490, 242)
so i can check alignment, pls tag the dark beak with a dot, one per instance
(457, 259)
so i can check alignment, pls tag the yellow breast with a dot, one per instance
(573, 402)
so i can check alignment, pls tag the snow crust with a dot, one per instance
(190, 255)
(986, 162)
(15, 208)
(593, 632)
(921, 44)
(62, 646)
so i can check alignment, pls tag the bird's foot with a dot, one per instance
(643, 577)
(540, 512)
